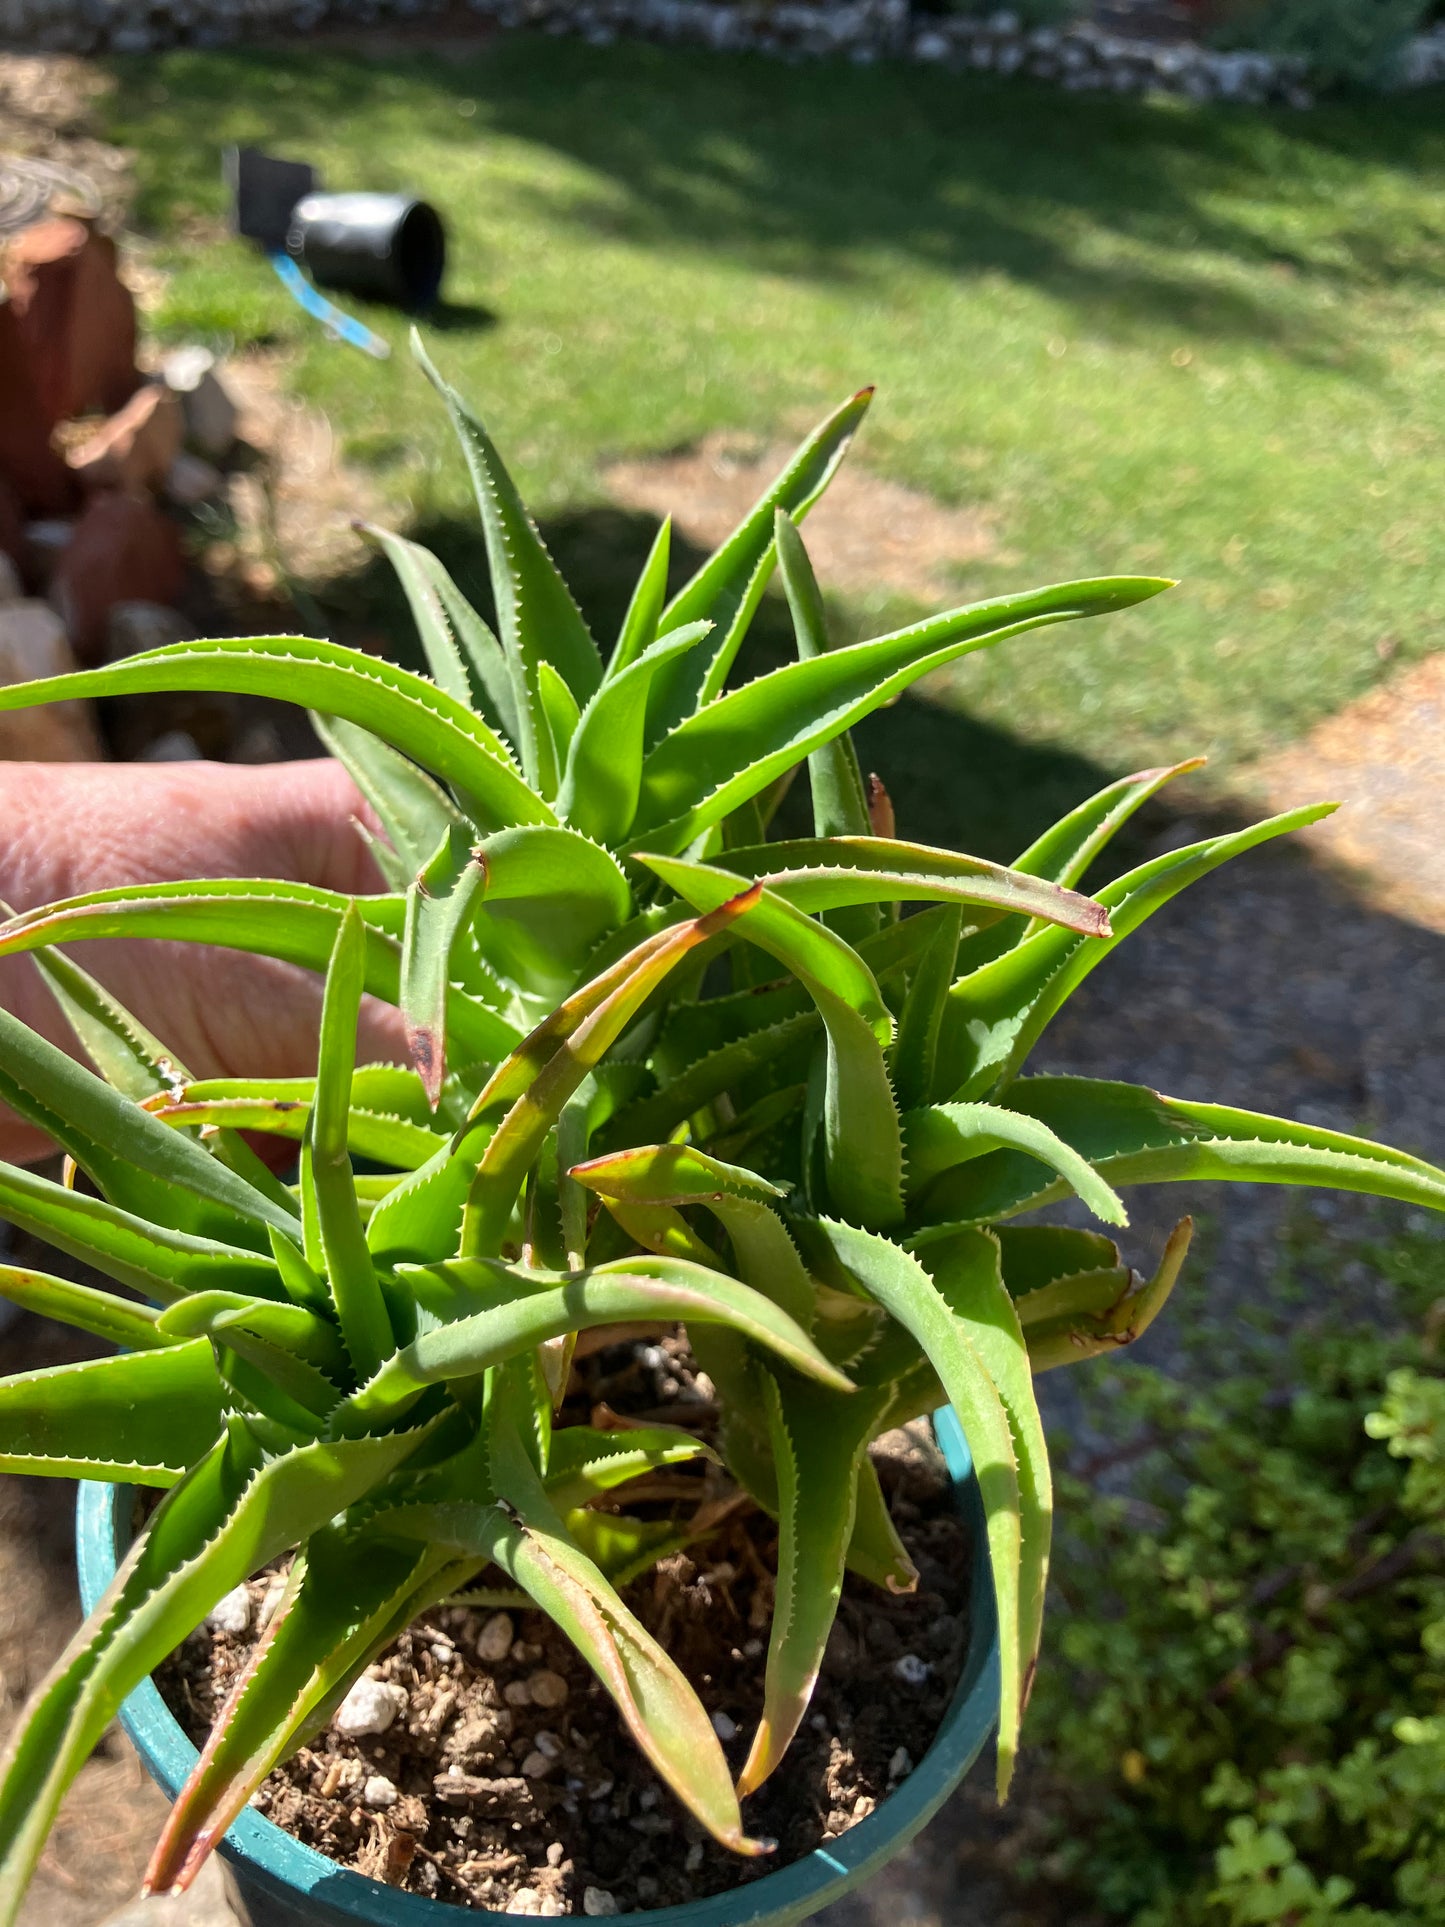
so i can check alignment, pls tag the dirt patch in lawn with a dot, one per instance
(867, 534)
(1383, 758)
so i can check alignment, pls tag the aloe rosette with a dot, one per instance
(665, 1068)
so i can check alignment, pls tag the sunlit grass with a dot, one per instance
(1143, 336)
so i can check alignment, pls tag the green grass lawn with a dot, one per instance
(1143, 336)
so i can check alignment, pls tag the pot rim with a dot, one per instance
(262, 1853)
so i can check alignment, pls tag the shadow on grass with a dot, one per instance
(1137, 211)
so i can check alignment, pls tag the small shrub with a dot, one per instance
(1248, 1716)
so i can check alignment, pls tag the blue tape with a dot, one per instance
(324, 311)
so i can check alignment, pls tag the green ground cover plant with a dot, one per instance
(665, 1068)
(1201, 340)
(1246, 1708)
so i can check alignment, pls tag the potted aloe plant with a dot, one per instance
(666, 1072)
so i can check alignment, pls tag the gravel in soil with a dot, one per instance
(506, 1779)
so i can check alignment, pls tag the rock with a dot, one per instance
(379, 1793)
(600, 1904)
(724, 1726)
(529, 1900)
(548, 1689)
(33, 644)
(137, 626)
(371, 1706)
(29, 466)
(172, 746)
(11, 588)
(136, 447)
(517, 1692)
(912, 1670)
(479, 1738)
(494, 1641)
(45, 543)
(75, 317)
(210, 413)
(509, 1798)
(191, 480)
(900, 1766)
(232, 1614)
(123, 550)
(537, 1766)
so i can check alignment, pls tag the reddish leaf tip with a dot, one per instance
(424, 1048)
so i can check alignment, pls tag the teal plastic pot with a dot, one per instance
(277, 1882)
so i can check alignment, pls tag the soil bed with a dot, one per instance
(511, 1784)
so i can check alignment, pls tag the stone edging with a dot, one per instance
(1080, 57)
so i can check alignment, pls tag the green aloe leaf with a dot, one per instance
(875, 1551)
(1082, 1314)
(678, 1174)
(326, 1174)
(735, 746)
(439, 907)
(862, 1144)
(227, 1517)
(603, 775)
(539, 621)
(347, 1596)
(130, 1249)
(137, 1064)
(997, 1013)
(656, 1115)
(88, 1309)
(412, 808)
(915, 1058)
(901, 1285)
(818, 1445)
(293, 922)
(561, 714)
(1064, 853)
(968, 1273)
(623, 1548)
(1034, 1255)
(585, 1463)
(641, 624)
(166, 1176)
(1132, 1135)
(551, 895)
(142, 1416)
(290, 1328)
(369, 1134)
(840, 801)
(549, 1066)
(728, 587)
(517, 1310)
(403, 709)
(948, 1136)
(463, 655)
(660, 1710)
(133, 1061)
(822, 874)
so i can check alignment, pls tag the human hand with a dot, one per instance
(74, 827)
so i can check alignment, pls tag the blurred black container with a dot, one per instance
(386, 247)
